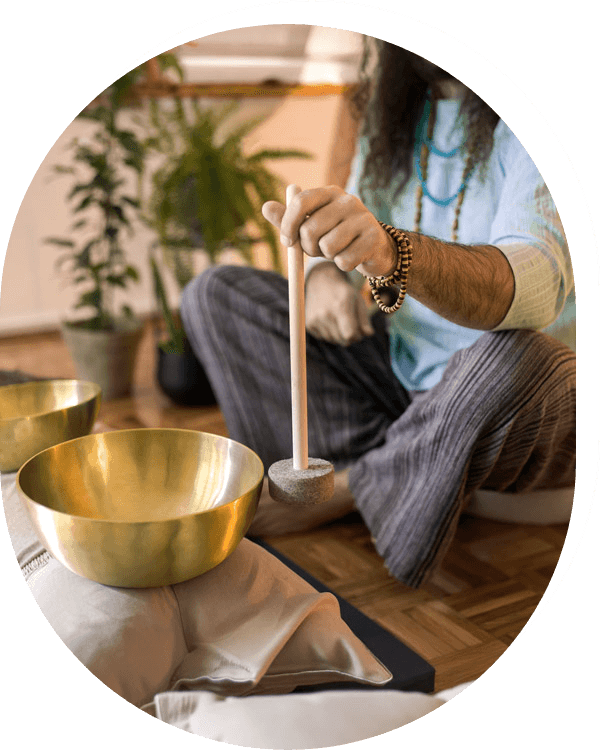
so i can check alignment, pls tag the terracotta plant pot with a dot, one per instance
(105, 357)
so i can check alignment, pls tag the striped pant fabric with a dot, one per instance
(502, 417)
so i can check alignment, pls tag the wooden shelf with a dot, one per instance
(157, 85)
(157, 89)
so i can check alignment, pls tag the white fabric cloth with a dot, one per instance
(250, 625)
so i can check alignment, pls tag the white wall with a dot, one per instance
(34, 297)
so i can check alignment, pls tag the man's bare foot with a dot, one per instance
(274, 519)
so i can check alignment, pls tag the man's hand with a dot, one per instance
(341, 229)
(335, 225)
(335, 310)
(470, 285)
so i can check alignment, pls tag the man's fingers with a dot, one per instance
(304, 204)
(343, 325)
(350, 329)
(273, 212)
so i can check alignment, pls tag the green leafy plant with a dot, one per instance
(175, 336)
(207, 193)
(93, 257)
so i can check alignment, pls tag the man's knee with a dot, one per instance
(222, 294)
(213, 295)
(504, 368)
(206, 292)
(517, 350)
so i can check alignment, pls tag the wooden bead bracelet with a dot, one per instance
(399, 277)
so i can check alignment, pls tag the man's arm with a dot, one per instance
(471, 285)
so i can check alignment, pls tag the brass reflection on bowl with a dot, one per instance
(37, 415)
(144, 507)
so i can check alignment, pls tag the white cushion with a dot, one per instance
(301, 720)
(539, 507)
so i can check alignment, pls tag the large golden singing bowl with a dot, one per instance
(140, 508)
(37, 415)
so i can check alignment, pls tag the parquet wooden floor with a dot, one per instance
(492, 578)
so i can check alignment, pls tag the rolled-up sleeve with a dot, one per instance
(528, 230)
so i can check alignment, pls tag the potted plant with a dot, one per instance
(104, 336)
(206, 198)
(178, 372)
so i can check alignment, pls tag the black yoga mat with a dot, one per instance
(410, 672)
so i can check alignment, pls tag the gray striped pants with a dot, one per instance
(502, 417)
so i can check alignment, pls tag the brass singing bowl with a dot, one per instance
(37, 415)
(144, 507)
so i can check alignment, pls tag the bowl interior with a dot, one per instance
(141, 475)
(43, 397)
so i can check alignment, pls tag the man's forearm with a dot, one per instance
(471, 285)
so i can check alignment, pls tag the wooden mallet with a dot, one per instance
(300, 480)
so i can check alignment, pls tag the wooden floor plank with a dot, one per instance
(465, 666)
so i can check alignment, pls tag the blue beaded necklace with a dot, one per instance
(423, 139)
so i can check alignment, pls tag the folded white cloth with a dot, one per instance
(249, 625)
(301, 720)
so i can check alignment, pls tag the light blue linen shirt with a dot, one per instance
(511, 209)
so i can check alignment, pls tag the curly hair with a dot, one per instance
(390, 98)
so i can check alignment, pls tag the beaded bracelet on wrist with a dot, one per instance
(399, 277)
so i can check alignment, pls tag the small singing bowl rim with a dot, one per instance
(95, 393)
(146, 430)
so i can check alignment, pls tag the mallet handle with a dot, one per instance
(297, 348)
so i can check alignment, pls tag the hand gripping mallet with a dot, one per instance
(300, 480)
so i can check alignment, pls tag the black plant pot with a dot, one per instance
(182, 378)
